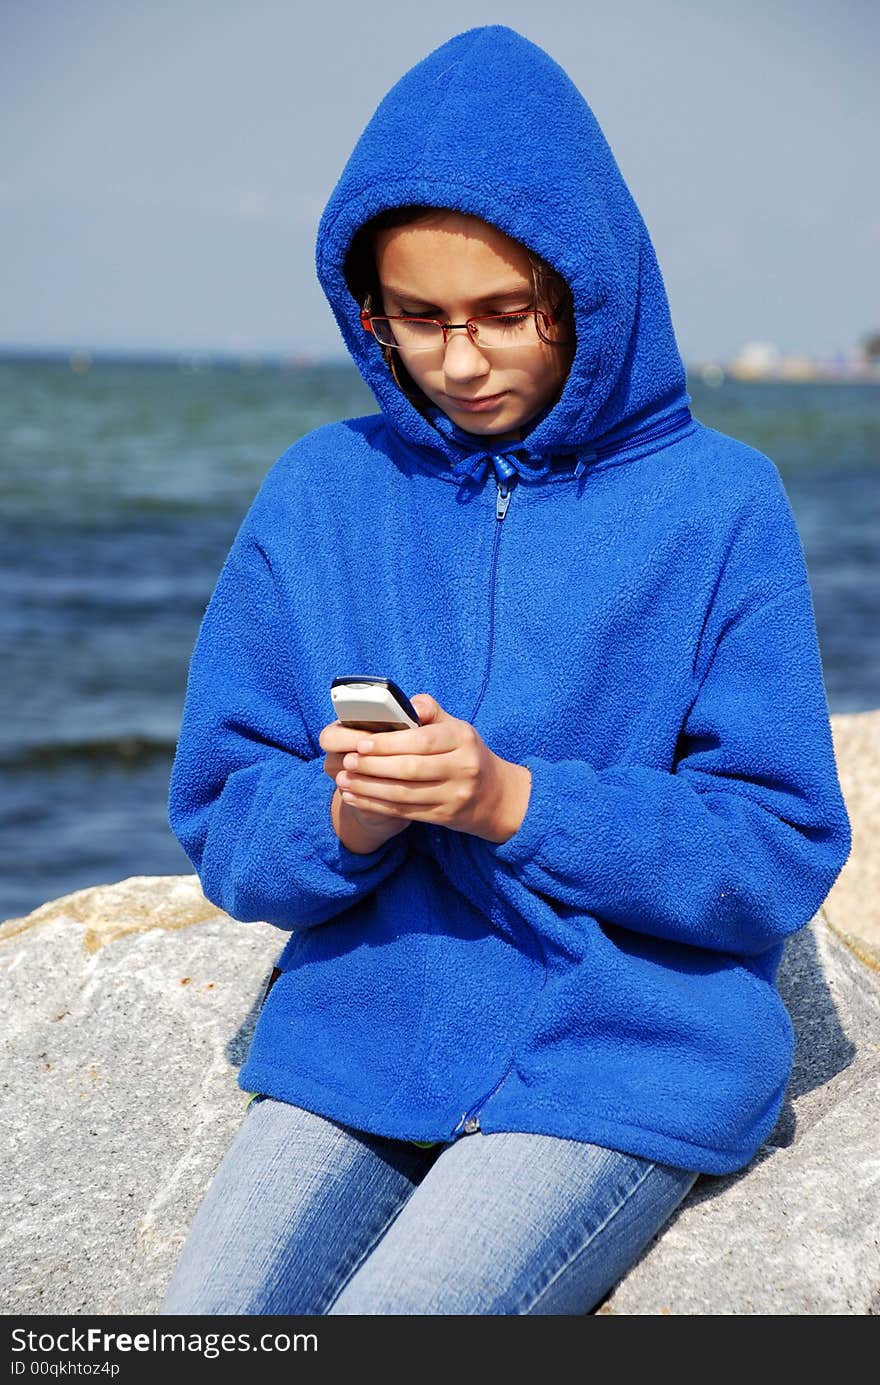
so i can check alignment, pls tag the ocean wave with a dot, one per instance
(131, 750)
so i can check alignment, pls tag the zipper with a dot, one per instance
(470, 1119)
(504, 491)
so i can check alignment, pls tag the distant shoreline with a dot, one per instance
(80, 362)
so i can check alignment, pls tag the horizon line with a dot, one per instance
(836, 368)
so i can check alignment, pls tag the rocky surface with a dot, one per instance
(853, 906)
(132, 1004)
(129, 1009)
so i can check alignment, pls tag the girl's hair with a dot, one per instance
(362, 278)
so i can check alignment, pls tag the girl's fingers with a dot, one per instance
(369, 805)
(416, 740)
(338, 739)
(413, 811)
(425, 769)
(385, 791)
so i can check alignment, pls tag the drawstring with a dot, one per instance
(513, 459)
(506, 464)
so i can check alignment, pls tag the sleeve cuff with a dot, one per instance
(526, 842)
(331, 850)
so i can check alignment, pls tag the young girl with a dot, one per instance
(528, 989)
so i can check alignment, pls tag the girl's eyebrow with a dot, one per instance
(517, 291)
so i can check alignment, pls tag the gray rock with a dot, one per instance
(133, 1005)
(853, 905)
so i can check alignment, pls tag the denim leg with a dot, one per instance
(297, 1201)
(517, 1224)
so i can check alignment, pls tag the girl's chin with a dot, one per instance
(486, 422)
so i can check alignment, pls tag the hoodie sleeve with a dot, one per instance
(249, 801)
(733, 849)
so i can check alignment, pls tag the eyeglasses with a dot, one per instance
(406, 332)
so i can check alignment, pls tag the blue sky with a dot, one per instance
(164, 165)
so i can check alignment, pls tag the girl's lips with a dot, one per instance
(476, 406)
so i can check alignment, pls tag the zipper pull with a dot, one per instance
(469, 1123)
(504, 493)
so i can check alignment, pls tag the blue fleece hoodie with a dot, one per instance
(637, 629)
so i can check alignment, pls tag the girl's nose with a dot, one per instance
(463, 360)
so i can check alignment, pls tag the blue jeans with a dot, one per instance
(307, 1216)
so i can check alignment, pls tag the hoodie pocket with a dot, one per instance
(346, 1010)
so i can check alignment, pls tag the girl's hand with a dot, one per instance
(440, 772)
(336, 739)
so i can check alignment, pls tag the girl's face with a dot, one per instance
(455, 267)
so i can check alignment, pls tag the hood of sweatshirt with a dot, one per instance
(491, 125)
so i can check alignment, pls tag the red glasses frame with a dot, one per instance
(550, 320)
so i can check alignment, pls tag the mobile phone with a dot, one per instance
(372, 704)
